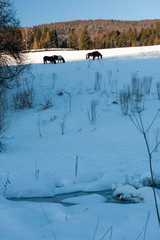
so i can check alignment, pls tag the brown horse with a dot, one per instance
(59, 58)
(94, 54)
(50, 59)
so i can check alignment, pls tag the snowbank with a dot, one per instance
(90, 156)
(107, 53)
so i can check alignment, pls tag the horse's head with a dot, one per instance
(99, 54)
(87, 55)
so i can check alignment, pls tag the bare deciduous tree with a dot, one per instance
(11, 60)
(136, 117)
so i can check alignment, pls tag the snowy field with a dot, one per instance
(75, 138)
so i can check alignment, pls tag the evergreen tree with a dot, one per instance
(111, 39)
(143, 37)
(123, 41)
(157, 33)
(85, 40)
(64, 44)
(151, 35)
(97, 41)
(103, 40)
(45, 30)
(73, 40)
(157, 30)
(114, 38)
(151, 40)
(45, 41)
(35, 38)
(54, 39)
(134, 37)
(106, 40)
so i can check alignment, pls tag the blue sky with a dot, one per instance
(34, 12)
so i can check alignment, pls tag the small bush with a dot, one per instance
(158, 89)
(63, 124)
(135, 85)
(3, 110)
(97, 84)
(92, 112)
(146, 85)
(23, 98)
(47, 104)
(124, 98)
(139, 89)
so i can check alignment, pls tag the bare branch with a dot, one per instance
(153, 120)
(154, 149)
(140, 126)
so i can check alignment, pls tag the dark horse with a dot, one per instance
(94, 54)
(59, 58)
(49, 59)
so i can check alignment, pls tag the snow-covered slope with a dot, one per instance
(81, 55)
(58, 146)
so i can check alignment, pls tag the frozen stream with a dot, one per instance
(66, 199)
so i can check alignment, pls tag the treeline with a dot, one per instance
(37, 38)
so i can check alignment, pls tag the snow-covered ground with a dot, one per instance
(90, 156)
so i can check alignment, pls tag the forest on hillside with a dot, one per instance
(92, 34)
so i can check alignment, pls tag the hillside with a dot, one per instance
(75, 166)
(96, 30)
(97, 26)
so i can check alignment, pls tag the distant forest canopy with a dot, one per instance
(92, 34)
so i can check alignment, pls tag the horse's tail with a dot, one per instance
(44, 60)
(87, 56)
